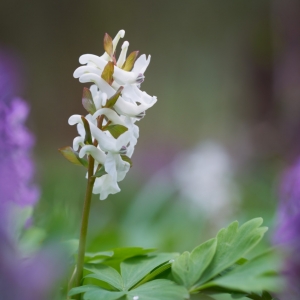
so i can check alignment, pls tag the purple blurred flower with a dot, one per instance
(30, 278)
(16, 166)
(21, 277)
(288, 228)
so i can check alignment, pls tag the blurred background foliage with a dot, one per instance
(227, 78)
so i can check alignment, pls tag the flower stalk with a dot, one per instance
(85, 216)
(108, 133)
(84, 222)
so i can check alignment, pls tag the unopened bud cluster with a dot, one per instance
(114, 103)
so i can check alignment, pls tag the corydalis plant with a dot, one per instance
(108, 134)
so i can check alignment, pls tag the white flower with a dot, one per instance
(105, 145)
(104, 186)
(106, 142)
(205, 176)
(126, 105)
(130, 80)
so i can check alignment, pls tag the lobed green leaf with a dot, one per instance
(90, 256)
(135, 269)
(105, 273)
(233, 243)
(154, 273)
(93, 292)
(159, 289)
(254, 276)
(188, 267)
(120, 254)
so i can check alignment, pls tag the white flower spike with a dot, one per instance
(115, 102)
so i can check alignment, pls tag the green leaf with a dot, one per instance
(254, 276)
(153, 274)
(88, 136)
(120, 254)
(134, 269)
(87, 101)
(108, 72)
(91, 256)
(233, 243)
(113, 99)
(108, 44)
(93, 292)
(100, 172)
(73, 156)
(129, 63)
(105, 273)
(127, 159)
(159, 289)
(116, 130)
(260, 296)
(188, 267)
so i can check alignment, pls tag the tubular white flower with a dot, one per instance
(87, 69)
(116, 167)
(141, 64)
(122, 106)
(122, 56)
(97, 96)
(110, 114)
(78, 142)
(122, 120)
(133, 92)
(105, 185)
(104, 99)
(97, 154)
(134, 130)
(107, 143)
(121, 76)
(119, 35)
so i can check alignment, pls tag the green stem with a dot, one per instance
(84, 223)
(77, 279)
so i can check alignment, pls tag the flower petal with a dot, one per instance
(106, 142)
(110, 114)
(122, 56)
(78, 141)
(105, 186)
(96, 153)
(141, 64)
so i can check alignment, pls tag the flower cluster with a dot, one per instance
(114, 102)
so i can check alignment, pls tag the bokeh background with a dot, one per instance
(227, 120)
